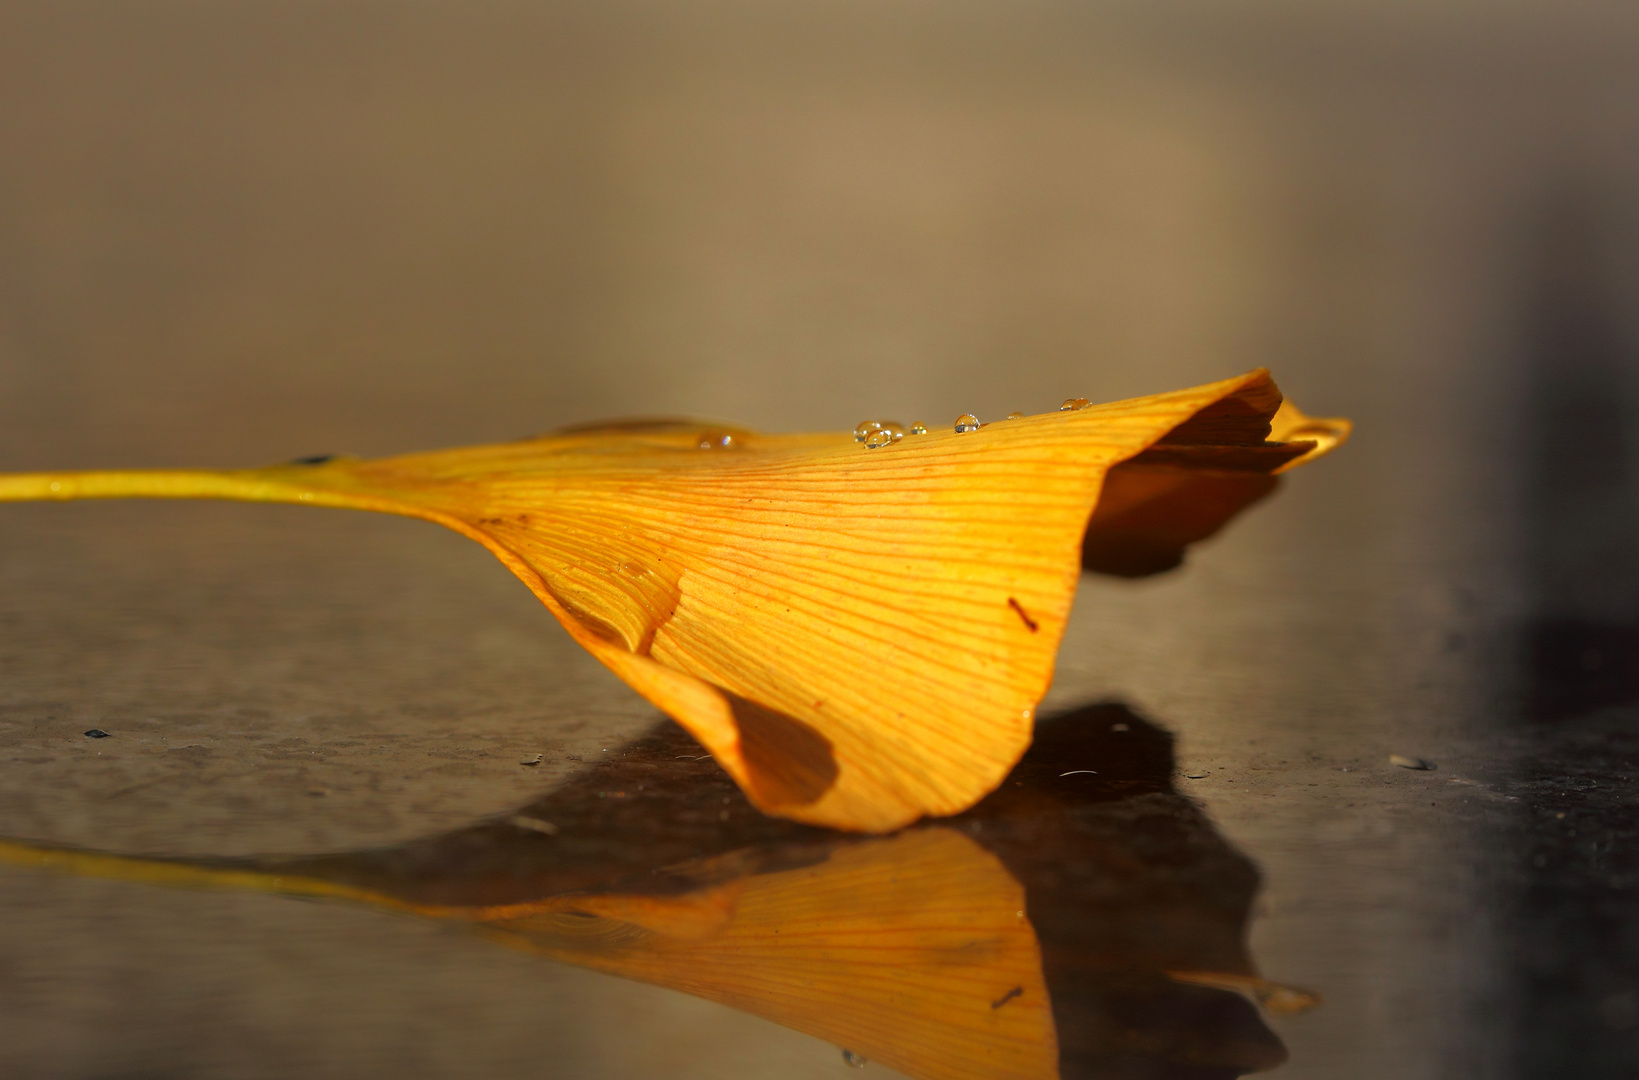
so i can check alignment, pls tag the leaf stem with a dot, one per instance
(279, 484)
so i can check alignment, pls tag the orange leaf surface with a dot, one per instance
(859, 634)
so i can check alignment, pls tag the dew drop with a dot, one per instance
(633, 570)
(885, 435)
(1015, 416)
(716, 440)
(966, 422)
(863, 430)
(919, 428)
(1071, 404)
(855, 1061)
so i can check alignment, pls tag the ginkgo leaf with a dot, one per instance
(859, 633)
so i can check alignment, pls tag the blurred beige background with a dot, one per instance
(230, 230)
(233, 234)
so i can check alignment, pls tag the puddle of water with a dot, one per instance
(1073, 923)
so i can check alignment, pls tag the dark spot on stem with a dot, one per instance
(1017, 991)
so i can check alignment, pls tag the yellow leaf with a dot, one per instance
(859, 634)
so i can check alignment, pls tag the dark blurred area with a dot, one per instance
(237, 234)
(1582, 514)
(1575, 934)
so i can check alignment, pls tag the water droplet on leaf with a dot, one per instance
(1015, 416)
(886, 435)
(855, 1061)
(716, 440)
(1073, 403)
(919, 428)
(863, 430)
(966, 422)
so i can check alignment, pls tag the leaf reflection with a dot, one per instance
(1074, 923)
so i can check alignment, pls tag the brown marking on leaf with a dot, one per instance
(788, 762)
(1013, 602)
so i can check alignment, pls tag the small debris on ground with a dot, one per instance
(536, 760)
(1195, 776)
(1418, 763)
(1286, 1000)
(97, 733)
(533, 824)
